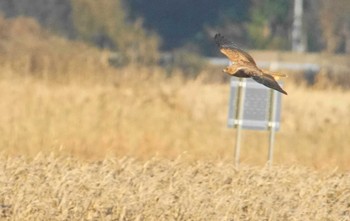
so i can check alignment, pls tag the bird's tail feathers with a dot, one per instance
(275, 75)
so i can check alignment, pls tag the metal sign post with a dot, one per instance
(239, 115)
(253, 106)
(272, 121)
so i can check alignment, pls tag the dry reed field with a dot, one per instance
(80, 140)
(146, 115)
(49, 187)
(83, 151)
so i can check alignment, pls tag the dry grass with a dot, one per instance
(141, 116)
(105, 126)
(57, 188)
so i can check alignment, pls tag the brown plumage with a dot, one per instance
(244, 66)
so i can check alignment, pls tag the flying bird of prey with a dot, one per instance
(244, 66)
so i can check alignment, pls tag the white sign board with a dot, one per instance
(257, 106)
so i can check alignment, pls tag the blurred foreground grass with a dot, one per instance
(59, 188)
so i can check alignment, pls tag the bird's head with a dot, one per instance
(230, 69)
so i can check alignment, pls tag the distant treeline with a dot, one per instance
(103, 23)
(260, 24)
(139, 27)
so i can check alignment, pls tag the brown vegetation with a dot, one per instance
(70, 100)
(27, 50)
(60, 97)
(143, 115)
(57, 188)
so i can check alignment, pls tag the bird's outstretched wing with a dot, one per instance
(260, 77)
(233, 53)
(268, 81)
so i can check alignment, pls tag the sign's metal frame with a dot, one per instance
(265, 109)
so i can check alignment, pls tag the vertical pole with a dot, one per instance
(239, 118)
(272, 125)
(297, 34)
